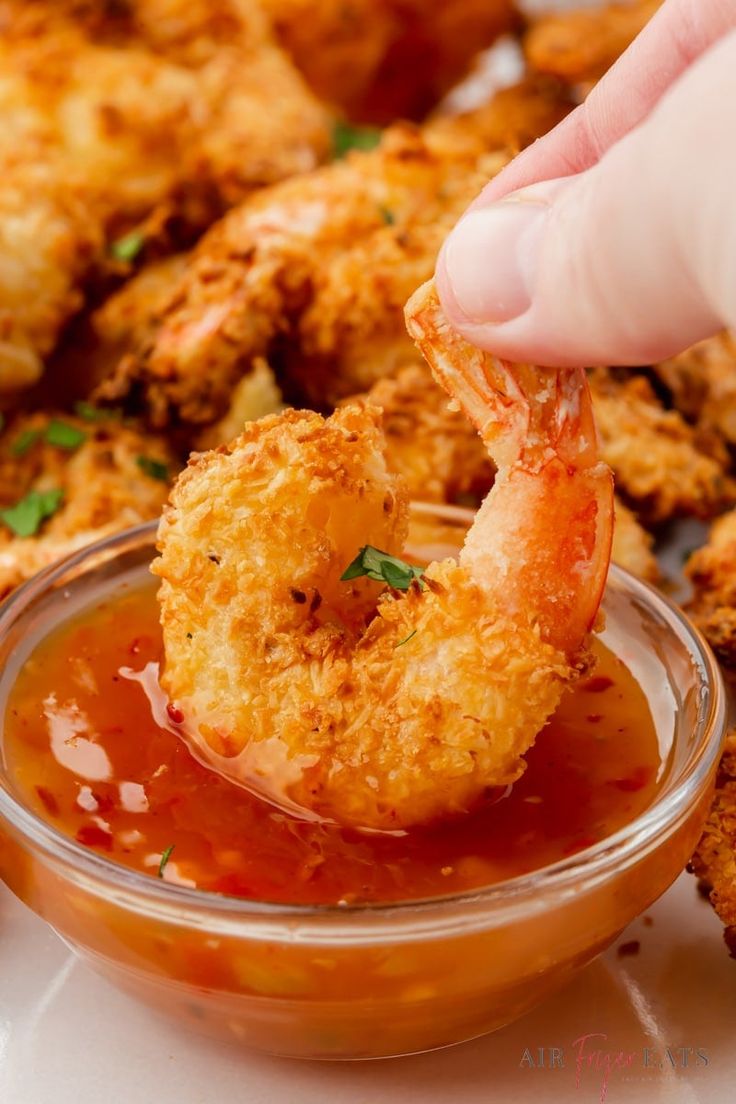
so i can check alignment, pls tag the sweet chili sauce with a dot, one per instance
(86, 754)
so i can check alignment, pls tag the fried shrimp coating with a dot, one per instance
(431, 444)
(110, 476)
(383, 59)
(110, 113)
(442, 459)
(714, 861)
(314, 272)
(632, 545)
(383, 710)
(702, 383)
(712, 572)
(579, 46)
(654, 453)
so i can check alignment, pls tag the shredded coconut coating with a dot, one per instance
(370, 707)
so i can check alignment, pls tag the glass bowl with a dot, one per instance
(367, 981)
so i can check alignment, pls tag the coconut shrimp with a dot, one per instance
(379, 706)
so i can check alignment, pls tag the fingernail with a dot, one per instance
(488, 261)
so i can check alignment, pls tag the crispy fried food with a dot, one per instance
(255, 396)
(383, 59)
(702, 383)
(579, 46)
(431, 444)
(323, 695)
(632, 545)
(654, 454)
(712, 572)
(441, 458)
(714, 861)
(109, 113)
(313, 273)
(105, 488)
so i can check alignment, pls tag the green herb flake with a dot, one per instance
(127, 248)
(387, 215)
(25, 518)
(406, 639)
(90, 413)
(25, 441)
(64, 436)
(346, 137)
(156, 469)
(164, 859)
(381, 567)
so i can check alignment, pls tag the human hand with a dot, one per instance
(613, 239)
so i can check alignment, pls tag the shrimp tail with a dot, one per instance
(542, 539)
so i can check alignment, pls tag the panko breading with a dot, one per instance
(653, 453)
(712, 572)
(633, 545)
(429, 443)
(298, 679)
(702, 383)
(106, 487)
(579, 46)
(99, 129)
(714, 861)
(303, 686)
(441, 458)
(313, 274)
(384, 59)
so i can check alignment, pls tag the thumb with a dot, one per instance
(626, 263)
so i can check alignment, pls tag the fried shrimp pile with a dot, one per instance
(372, 707)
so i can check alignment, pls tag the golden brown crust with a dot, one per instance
(712, 572)
(106, 119)
(579, 46)
(386, 59)
(654, 453)
(429, 443)
(313, 274)
(105, 488)
(714, 861)
(702, 383)
(632, 545)
(371, 712)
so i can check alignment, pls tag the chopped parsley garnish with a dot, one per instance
(374, 564)
(346, 137)
(406, 639)
(387, 215)
(127, 248)
(25, 441)
(92, 413)
(25, 518)
(155, 468)
(164, 859)
(65, 436)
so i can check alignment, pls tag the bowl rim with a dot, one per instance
(593, 864)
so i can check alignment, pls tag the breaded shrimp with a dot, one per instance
(112, 111)
(712, 572)
(714, 861)
(385, 59)
(702, 383)
(313, 273)
(654, 453)
(102, 477)
(383, 710)
(579, 46)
